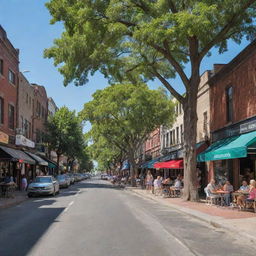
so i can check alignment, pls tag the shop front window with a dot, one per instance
(223, 171)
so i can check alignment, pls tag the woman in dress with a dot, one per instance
(149, 181)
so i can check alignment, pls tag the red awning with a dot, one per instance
(173, 164)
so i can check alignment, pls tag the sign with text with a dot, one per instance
(23, 141)
(248, 127)
(4, 138)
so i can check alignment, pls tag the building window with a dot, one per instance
(167, 139)
(205, 124)
(22, 124)
(181, 133)
(11, 77)
(1, 67)
(229, 103)
(173, 136)
(27, 98)
(11, 117)
(1, 110)
(177, 134)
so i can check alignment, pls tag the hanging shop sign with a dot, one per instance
(4, 138)
(23, 141)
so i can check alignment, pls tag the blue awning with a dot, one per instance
(150, 164)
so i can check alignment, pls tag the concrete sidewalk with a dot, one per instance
(237, 222)
(8, 202)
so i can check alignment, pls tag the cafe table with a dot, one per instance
(8, 189)
(221, 193)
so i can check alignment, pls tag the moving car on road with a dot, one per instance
(63, 181)
(43, 185)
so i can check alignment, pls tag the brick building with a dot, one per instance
(9, 70)
(25, 108)
(233, 120)
(152, 145)
(40, 111)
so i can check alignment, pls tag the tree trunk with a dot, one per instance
(58, 163)
(190, 135)
(133, 169)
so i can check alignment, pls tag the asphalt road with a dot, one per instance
(93, 218)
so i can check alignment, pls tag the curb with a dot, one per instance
(202, 216)
(14, 203)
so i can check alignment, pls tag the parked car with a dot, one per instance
(77, 177)
(43, 185)
(63, 181)
(104, 177)
(72, 178)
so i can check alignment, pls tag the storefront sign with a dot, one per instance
(248, 127)
(23, 141)
(4, 138)
(235, 129)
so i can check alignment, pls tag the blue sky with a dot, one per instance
(27, 25)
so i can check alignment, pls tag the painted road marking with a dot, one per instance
(69, 205)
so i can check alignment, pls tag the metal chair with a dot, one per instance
(209, 197)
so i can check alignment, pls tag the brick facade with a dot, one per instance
(40, 111)
(25, 107)
(241, 75)
(9, 71)
(152, 144)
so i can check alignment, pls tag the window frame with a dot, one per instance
(1, 67)
(11, 119)
(229, 103)
(13, 76)
(1, 111)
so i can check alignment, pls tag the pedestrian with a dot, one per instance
(149, 181)
(24, 183)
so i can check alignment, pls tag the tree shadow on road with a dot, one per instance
(22, 226)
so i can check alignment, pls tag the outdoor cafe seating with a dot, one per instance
(7, 189)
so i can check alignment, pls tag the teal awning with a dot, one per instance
(150, 164)
(230, 148)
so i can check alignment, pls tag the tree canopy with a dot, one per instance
(124, 115)
(64, 134)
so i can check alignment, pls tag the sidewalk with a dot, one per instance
(238, 222)
(8, 202)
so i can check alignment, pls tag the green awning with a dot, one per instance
(230, 148)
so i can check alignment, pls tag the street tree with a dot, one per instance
(64, 134)
(125, 114)
(107, 155)
(149, 39)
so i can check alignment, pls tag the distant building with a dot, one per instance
(152, 145)
(40, 115)
(52, 107)
(26, 117)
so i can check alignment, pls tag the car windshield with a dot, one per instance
(60, 177)
(43, 180)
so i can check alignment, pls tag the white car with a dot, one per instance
(43, 185)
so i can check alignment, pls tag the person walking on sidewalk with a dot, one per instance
(24, 183)
(149, 181)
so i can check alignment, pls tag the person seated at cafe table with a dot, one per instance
(158, 185)
(241, 200)
(211, 187)
(228, 189)
(177, 186)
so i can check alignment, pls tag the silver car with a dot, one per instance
(43, 185)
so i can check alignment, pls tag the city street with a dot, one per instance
(94, 218)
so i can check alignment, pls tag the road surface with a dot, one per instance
(93, 218)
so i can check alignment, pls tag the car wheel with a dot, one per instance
(54, 193)
(29, 195)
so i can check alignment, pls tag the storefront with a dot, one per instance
(232, 158)
(15, 163)
(41, 164)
